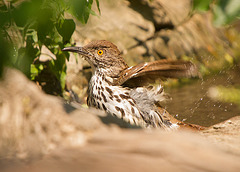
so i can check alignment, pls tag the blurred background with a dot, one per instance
(33, 33)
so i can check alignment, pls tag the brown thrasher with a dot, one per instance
(120, 90)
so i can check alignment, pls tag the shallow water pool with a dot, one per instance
(190, 103)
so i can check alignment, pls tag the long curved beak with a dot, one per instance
(79, 50)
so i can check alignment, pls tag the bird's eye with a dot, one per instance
(100, 52)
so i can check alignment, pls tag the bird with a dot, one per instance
(127, 92)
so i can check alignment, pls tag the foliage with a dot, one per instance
(224, 94)
(202, 5)
(225, 11)
(27, 26)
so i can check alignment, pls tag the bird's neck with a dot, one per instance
(109, 74)
(102, 76)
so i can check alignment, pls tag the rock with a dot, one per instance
(226, 135)
(38, 133)
(135, 150)
(162, 13)
(46, 54)
(29, 117)
(195, 35)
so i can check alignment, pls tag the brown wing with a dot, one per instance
(145, 73)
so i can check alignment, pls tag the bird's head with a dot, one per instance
(103, 55)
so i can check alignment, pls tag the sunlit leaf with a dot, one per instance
(35, 70)
(63, 79)
(201, 5)
(226, 12)
(224, 94)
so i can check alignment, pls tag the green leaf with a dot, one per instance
(78, 9)
(4, 51)
(44, 24)
(35, 70)
(201, 5)
(224, 94)
(226, 12)
(23, 13)
(33, 34)
(5, 16)
(98, 6)
(92, 12)
(81, 9)
(66, 29)
(63, 79)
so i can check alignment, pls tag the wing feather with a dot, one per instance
(145, 73)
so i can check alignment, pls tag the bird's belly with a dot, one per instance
(116, 101)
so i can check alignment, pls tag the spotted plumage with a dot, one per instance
(136, 106)
(119, 90)
(117, 106)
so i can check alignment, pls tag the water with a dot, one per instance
(191, 103)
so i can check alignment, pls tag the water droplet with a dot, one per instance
(184, 119)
